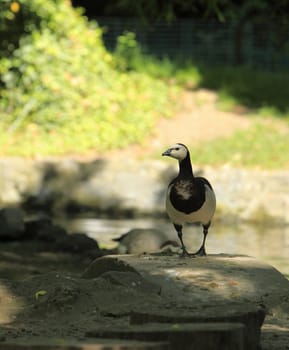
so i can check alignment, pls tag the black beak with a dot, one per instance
(167, 152)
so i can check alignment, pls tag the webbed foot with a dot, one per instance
(200, 252)
(186, 254)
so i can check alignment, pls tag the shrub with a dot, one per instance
(63, 92)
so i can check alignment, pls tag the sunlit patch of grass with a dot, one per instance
(253, 88)
(226, 102)
(269, 111)
(264, 145)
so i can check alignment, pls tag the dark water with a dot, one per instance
(269, 244)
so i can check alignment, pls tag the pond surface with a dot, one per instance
(270, 244)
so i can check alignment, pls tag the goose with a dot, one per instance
(145, 240)
(189, 199)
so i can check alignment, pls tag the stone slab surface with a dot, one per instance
(216, 289)
(99, 344)
(213, 281)
(201, 336)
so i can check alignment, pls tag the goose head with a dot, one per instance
(177, 151)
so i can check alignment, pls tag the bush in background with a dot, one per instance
(61, 91)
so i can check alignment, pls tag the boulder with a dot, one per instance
(107, 264)
(214, 280)
(207, 297)
(209, 336)
(11, 224)
(78, 243)
(43, 229)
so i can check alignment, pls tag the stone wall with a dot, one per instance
(133, 188)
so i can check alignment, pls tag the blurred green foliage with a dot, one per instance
(128, 52)
(264, 92)
(61, 91)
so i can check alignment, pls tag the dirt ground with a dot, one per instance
(197, 120)
(38, 287)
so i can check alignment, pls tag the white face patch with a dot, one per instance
(178, 151)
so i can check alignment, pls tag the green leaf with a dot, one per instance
(40, 293)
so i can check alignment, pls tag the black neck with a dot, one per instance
(186, 167)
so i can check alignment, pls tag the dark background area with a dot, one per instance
(237, 32)
(150, 10)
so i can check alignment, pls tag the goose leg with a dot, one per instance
(180, 235)
(202, 250)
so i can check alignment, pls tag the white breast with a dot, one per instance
(202, 215)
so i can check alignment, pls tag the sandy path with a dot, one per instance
(198, 120)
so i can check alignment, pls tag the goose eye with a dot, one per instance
(177, 148)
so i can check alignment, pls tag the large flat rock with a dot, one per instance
(195, 283)
(209, 336)
(100, 344)
(217, 289)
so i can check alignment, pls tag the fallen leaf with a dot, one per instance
(40, 293)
